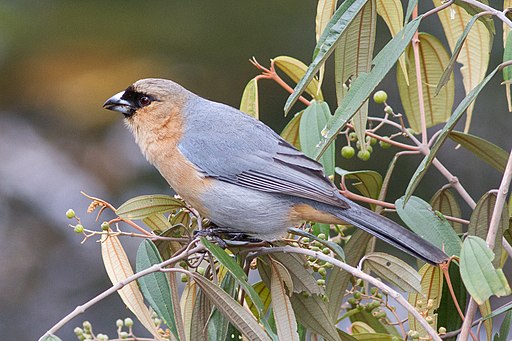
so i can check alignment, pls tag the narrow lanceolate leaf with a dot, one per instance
(446, 316)
(324, 11)
(295, 69)
(486, 309)
(50, 338)
(218, 324)
(312, 122)
(366, 83)
(313, 314)
(359, 327)
(481, 219)
(448, 127)
(448, 71)
(495, 156)
(392, 13)
(431, 289)
(249, 103)
(155, 286)
(264, 293)
(394, 270)
(433, 60)
(291, 132)
(480, 277)
(281, 287)
(353, 55)
(202, 312)
(444, 201)
(300, 273)
(241, 318)
(187, 303)
(118, 269)
(145, 205)
(326, 44)
(507, 71)
(504, 329)
(475, 53)
(419, 216)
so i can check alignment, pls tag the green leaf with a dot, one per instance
(49, 338)
(447, 316)
(300, 272)
(433, 60)
(431, 290)
(326, 44)
(374, 323)
(457, 114)
(481, 219)
(473, 10)
(291, 132)
(410, 7)
(249, 101)
(394, 270)
(507, 71)
(444, 201)
(495, 156)
(145, 205)
(312, 122)
(365, 84)
(353, 55)
(155, 286)
(368, 183)
(243, 320)
(201, 313)
(218, 324)
(373, 337)
(504, 329)
(485, 309)
(157, 222)
(480, 277)
(419, 216)
(295, 69)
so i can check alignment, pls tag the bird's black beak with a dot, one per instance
(118, 103)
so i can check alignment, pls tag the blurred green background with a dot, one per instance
(60, 60)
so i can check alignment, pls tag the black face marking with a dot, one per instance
(136, 99)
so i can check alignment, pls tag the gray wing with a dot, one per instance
(231, 146)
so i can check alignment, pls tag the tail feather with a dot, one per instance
(392, 233)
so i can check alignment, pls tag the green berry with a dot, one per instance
(371, 140)
(79, 228)
(348, 152)
(363, 155)
(322, 271)
(70, 214)
(326, 250)
(322, 236)
(184, 278)
(357, 295)
(388, 109)
(442, 330)
(329, 265)
(105, 226)
(305, 240)
(314, 248)
(380, 97)
(128, 322)
(383, 144)
(370, 149)
(320, 281)
(352, 136)
(119, 323)
(124, 335)
(352, 301)
(102, 337)
(374, 290)
(429, 319)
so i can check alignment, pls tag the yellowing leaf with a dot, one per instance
(295, 69)
(118, 269)
(291, 132)
(353, 55)
(324, 11)
(475, 53)
(433, 61)
(431, 289)
(392, 13)
(145, 205)
(281, 287)
(187, 303)
(249, 103)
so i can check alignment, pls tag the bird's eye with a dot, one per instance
(144, 101)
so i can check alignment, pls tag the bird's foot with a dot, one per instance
(223, 236)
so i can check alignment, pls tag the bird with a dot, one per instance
(239, 173)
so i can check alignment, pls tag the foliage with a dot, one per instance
(307, 284)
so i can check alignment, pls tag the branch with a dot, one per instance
(360, 274)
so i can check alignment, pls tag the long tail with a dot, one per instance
(392, 233)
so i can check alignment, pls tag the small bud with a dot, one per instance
(320, 281)
(128, 322)
(374, 290)
(79, 228)
(184, 278)
(383, 144)
(411, 131)
(326, 250)
(70, 214)
(442, 330)
(322, 236)
(329, 265)
(87, 326)
(119, 323)
(78, 331)
(322, 271)
(352, 136)
(371, 140)
(380, 97)
(388, 109)
(305, 240)
(105, 226)
(157, 322)
(369, 149)
(124, 335)
(357, 295)
(352, 301)
(314, 248)
(102, 337)
(429, 319)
